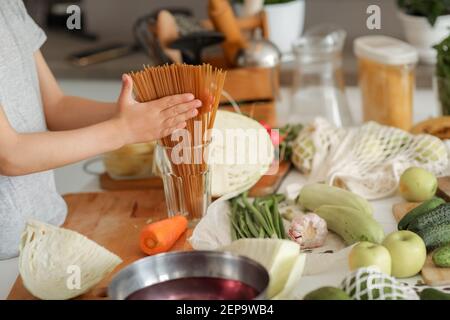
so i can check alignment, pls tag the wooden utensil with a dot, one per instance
(252, 7)
(224, 20)
(439, 127)
(113, 220)
(432, 275)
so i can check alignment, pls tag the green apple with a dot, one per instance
(417, 184)
(408, 253)
(366, 254)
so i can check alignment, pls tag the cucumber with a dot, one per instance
(441, 257)
(435, 236)
(437, 216)
(350, 224)
(433, 294)
(418, 211)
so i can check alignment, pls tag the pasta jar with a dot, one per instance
(386, 79)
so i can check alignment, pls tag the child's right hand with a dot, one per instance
(141, 122)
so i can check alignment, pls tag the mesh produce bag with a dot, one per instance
(366, 160)
(371, 284)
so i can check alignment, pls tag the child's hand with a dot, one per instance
(153, 120)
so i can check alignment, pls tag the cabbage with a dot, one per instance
(51, 259)
(232, 177)
(293, 279)
(277, 256)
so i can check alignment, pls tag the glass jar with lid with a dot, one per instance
(386, 69)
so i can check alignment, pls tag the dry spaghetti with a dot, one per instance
(205, 83)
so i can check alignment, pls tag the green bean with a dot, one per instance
(258, 215)
(243, 226)
(238, 230)
(261, 234)
(261, 207)
(264, 208)
(276, 220)
(269, 217)
(234, 205)
(250, 225)
(270, 198)
(234, 235)
(258, 219)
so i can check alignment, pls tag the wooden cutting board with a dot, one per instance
(444, 188)
(268, 184)
(113, 220)
(431, 274)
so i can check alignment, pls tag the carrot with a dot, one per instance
(160, 236)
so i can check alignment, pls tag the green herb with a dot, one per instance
(290, 133)
(443, 74)
(430, 9)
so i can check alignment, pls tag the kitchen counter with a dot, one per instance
(61, 44)
(73, 179)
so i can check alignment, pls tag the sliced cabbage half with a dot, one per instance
(242, 152)
(57, 263)
(279, 257)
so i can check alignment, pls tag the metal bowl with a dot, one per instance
(164, 267)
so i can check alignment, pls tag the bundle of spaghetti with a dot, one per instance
(206, 84)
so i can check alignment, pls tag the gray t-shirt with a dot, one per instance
(31, 196)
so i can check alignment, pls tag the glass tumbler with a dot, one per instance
(186, 178)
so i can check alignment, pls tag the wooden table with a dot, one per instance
(113, 219)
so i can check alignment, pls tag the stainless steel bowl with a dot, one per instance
(192, 264)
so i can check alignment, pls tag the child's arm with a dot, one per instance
(66, 112)
(24, 153)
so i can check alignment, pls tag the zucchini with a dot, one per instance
(418, 211)
(313, 196)
(435, 217)
(351, 225)
(435, 236)
(433, 294)
(441, 257)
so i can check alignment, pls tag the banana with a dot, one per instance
(350, 224)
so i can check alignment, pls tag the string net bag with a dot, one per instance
(366, 160)
(371, 284)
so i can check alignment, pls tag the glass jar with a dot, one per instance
(134, 161)
(318, 85)
(186, 178)
(386, 79)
